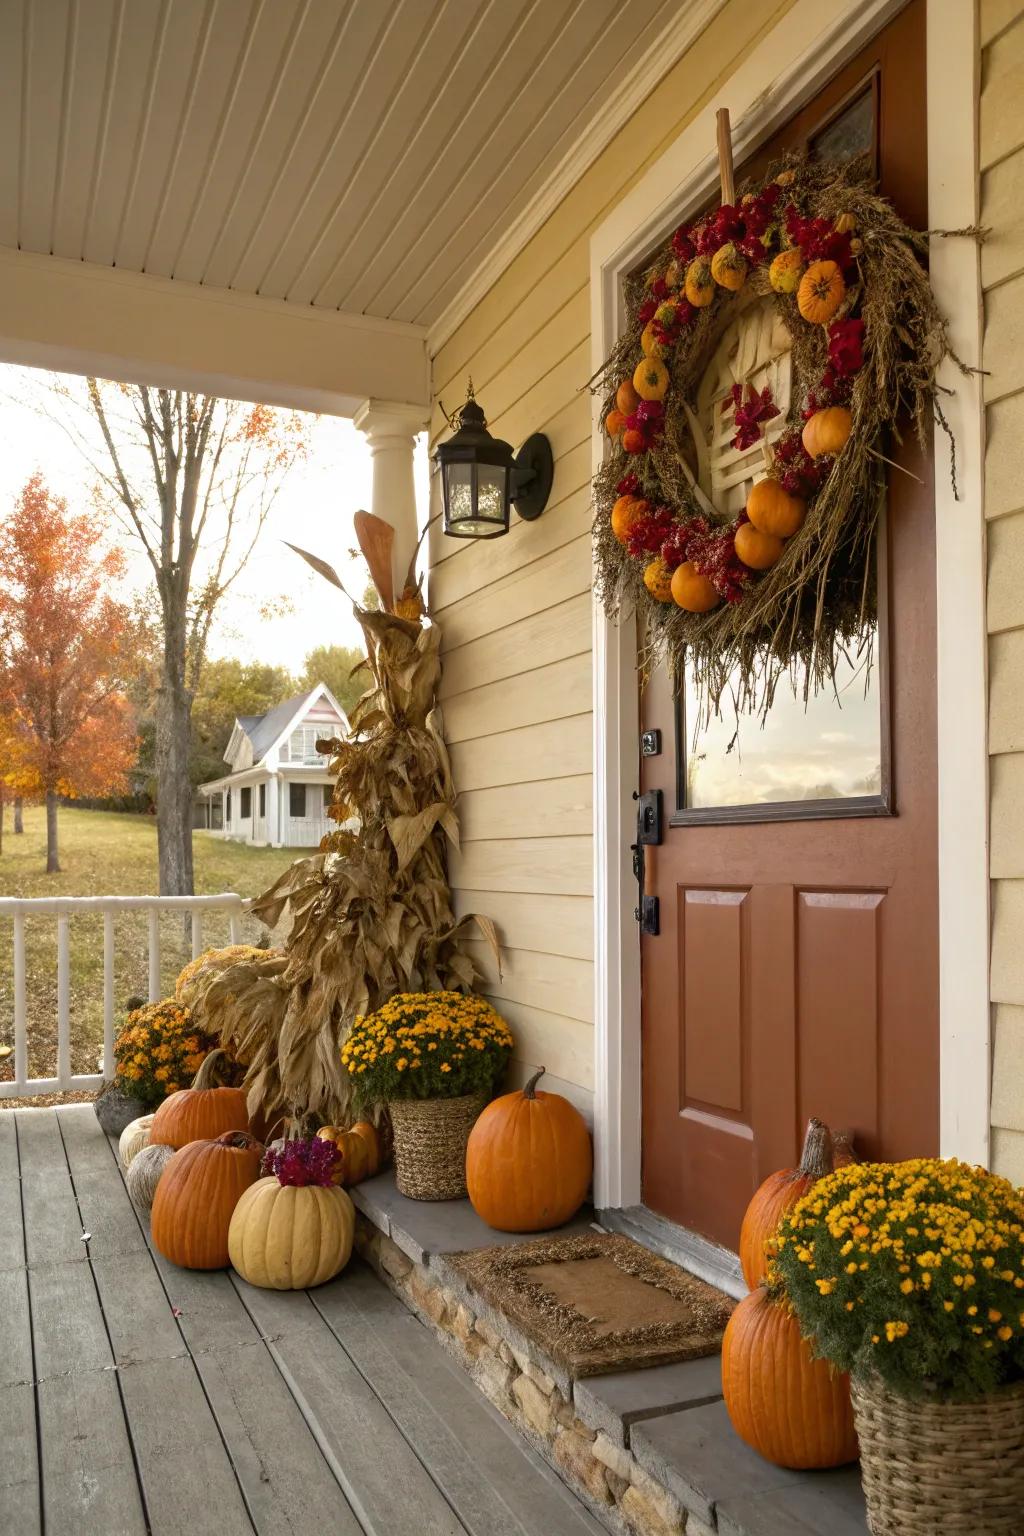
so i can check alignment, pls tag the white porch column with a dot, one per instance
(272, 829)
(390, 429)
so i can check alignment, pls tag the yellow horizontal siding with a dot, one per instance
(516, 614)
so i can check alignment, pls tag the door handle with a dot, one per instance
(648, 834)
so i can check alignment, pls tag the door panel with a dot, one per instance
(796, 970)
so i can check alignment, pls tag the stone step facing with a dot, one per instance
(651, 1452)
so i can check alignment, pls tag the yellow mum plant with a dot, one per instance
(160, 1048)
(912, 1270)
(426, 1045)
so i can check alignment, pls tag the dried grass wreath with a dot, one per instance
(788, 586)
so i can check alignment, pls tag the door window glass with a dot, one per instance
(296, 799)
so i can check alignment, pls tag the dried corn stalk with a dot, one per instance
(371, 912)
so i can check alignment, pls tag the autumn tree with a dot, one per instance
(66, 655)
(192, 478)
(229, 688)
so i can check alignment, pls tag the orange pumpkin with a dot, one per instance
(354, 1164)
(196, 1198)
(658, 580)
(775, 1196)
(614, 423)
(729, 267)
(793, 1410)
(774, 510)
(821, 292)
(633, 440)
(757, 550)
(827, 431)
(650, 344)
(624, 514)
(204, 1110)
(786, 270)
(529, 1161)
(700, 285)
(651, 379)
(692, 591)
(626, 397)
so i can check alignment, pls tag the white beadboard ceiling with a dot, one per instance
(367, 156)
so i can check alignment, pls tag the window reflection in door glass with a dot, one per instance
(830, 749)
(851, 132)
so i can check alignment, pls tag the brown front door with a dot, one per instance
(796, 968)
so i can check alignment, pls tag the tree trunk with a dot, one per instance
(174, 786)
(19, 825)
(52, 861)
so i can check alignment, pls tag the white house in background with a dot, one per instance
(278, 789)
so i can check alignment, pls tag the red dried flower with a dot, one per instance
(303, 1162)
(646, 311)
(683, 247)
(846, 346)
(748, 415)
(627, 486)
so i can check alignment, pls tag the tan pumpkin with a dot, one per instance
(692, 591)
(354, 1164)
(828, 431)
(196, 1197)
(821, 292)
(729, 267)
(793, 1410)
(144, 1174)
(133, 1138)
(624, 514)
(700, 285)
(775, 1196)
(757, 550)
(786, 270)
(658, 580)
(528, 1161)
(651, 379)
(202, 1111)
(773, 510)
(288, 1237)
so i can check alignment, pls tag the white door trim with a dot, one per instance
(768, 87)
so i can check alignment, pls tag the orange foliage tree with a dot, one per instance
(67, 649)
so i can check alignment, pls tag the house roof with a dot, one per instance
(264, 730)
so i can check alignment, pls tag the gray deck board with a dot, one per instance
(138, 1397)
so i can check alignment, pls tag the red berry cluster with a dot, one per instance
(713, 553)
(800, 474)
(649, 420)
(819, 240)
(648, 532)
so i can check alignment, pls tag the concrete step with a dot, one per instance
(617, 1403)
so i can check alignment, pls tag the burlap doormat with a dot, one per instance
(599, 1303)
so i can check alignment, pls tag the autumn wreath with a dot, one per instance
(787, 584)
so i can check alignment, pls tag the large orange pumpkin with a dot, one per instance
(820, 292)
(757, 550)
(793, 1410)
(775, 1196)
(827, 431)
(204, 1110)
(774, 510)
(693, 591)
(196, 1198)
(529, 1161)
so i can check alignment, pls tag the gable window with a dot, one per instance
(296, 799)
(263, 799)
(302, 743)
(245, 809)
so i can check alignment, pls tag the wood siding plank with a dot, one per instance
(559, 925)
(565, 985)
(552, 750)
(542, 584)
(552, 1040)
(545, 693)
(542, 866)
(545, 638)
(555, 808)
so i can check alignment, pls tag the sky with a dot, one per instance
(314, 510)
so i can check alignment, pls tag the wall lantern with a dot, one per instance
(481, 478)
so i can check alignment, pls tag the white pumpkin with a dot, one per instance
(144, 1172)
(287, 1237)
(133, 1138)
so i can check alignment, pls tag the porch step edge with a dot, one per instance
(702, 1258)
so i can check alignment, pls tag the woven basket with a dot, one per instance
(935, 1466)
(430, 1144)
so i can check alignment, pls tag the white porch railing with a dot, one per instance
(64, 908)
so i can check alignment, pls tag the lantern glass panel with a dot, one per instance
(492, 493)
(459, 495)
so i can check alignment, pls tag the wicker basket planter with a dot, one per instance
(936, 1466)
(430, 1144)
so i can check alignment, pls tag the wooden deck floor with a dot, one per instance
(138, 1397)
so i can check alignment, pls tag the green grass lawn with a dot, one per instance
(105, 854)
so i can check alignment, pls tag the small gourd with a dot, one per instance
(828, 431)
(651, 345)
(658, 580)
(626, 398)
(614, 423)
(624, 514)
(651, 379)
(133, 1138)
(700, 285)
(773, 510)
(692, 591)
(821, 292)
(758, 551)
(786, 270)
(144, 1174)
(633, 440)
(729, 267)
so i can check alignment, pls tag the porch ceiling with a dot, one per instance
(363, 156)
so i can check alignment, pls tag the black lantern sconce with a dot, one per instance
(482, 479)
